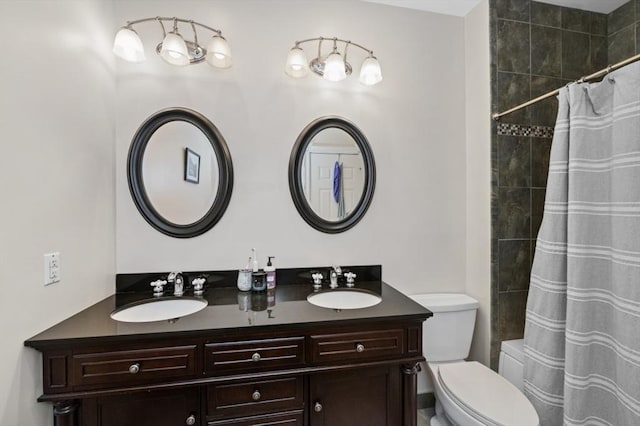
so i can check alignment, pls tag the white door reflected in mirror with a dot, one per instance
(333, 174)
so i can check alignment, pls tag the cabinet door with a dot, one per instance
(160, 408)
(371, 397)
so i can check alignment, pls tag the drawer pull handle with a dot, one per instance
(359, 347)
(134, 368)
(191, 420)
(256, 357)
(256, 395)
(317, 407)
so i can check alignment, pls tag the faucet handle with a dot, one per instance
(158, 287)
(317, 279)
(350, 278)
(198, 285)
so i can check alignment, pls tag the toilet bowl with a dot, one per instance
(467, 393)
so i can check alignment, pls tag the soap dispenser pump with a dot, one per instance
(271, 273)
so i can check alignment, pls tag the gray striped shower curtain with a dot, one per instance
(582, 332)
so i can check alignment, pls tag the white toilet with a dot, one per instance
(467, 392)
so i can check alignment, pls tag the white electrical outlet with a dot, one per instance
(51, 268)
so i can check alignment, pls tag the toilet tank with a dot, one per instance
(447, 334)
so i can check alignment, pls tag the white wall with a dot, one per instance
(57, 172)
(414, 121)
(478, 170)
(477, 158)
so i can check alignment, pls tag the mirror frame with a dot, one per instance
(136, 182)
(295, 167)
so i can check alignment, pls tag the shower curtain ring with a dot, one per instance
(610, 78)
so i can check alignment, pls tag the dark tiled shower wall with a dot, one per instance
(624, 31)
(535, 48)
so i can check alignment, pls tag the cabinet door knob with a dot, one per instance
(256, 395)
(191, 420)
(317, 407)
(134, 368)
(256, 357)
(359, 347)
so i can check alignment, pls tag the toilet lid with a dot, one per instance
(485, 395)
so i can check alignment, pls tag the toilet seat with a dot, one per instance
(485, 396)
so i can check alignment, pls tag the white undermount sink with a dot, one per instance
(344, 299)
(159, 309)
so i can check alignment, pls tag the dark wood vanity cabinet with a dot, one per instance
(369, 396)
(331, 374)
(155, 408)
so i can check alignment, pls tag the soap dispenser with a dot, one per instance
(271, 273)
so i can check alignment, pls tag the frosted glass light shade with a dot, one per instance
(174, 50)
(218, 52)
(334, 68)
(128, 46)
(370, 72)
(297, 65)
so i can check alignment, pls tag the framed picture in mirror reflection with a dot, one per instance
(191, 166)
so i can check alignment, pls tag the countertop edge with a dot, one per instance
(203, 333)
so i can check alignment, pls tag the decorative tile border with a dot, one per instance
(506, 129)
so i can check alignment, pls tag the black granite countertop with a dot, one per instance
(228, 311)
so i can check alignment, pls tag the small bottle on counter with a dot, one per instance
(271, 273)
(259, 281)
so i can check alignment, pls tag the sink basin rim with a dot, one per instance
(343, 298)
(158, 309)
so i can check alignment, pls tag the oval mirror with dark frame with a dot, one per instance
(332, 174)
(180, 172)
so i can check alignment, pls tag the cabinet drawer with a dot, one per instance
(256, 397)
(133, 366)
(253, 355)
(293, 418)
(360, 345)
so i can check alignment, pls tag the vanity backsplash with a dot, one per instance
(140, 282)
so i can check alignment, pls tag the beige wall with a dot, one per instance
(57, 172)
(414, 121)
(478, 172)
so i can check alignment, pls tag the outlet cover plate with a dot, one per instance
(51, 268)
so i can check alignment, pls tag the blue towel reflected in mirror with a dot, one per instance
(337, 174)
(338, 190)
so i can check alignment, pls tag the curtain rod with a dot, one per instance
(497, 116)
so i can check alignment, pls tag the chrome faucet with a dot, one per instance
(335, 272)
(178, 283)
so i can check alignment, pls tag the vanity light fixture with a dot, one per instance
(332, 66)
(174, 48)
